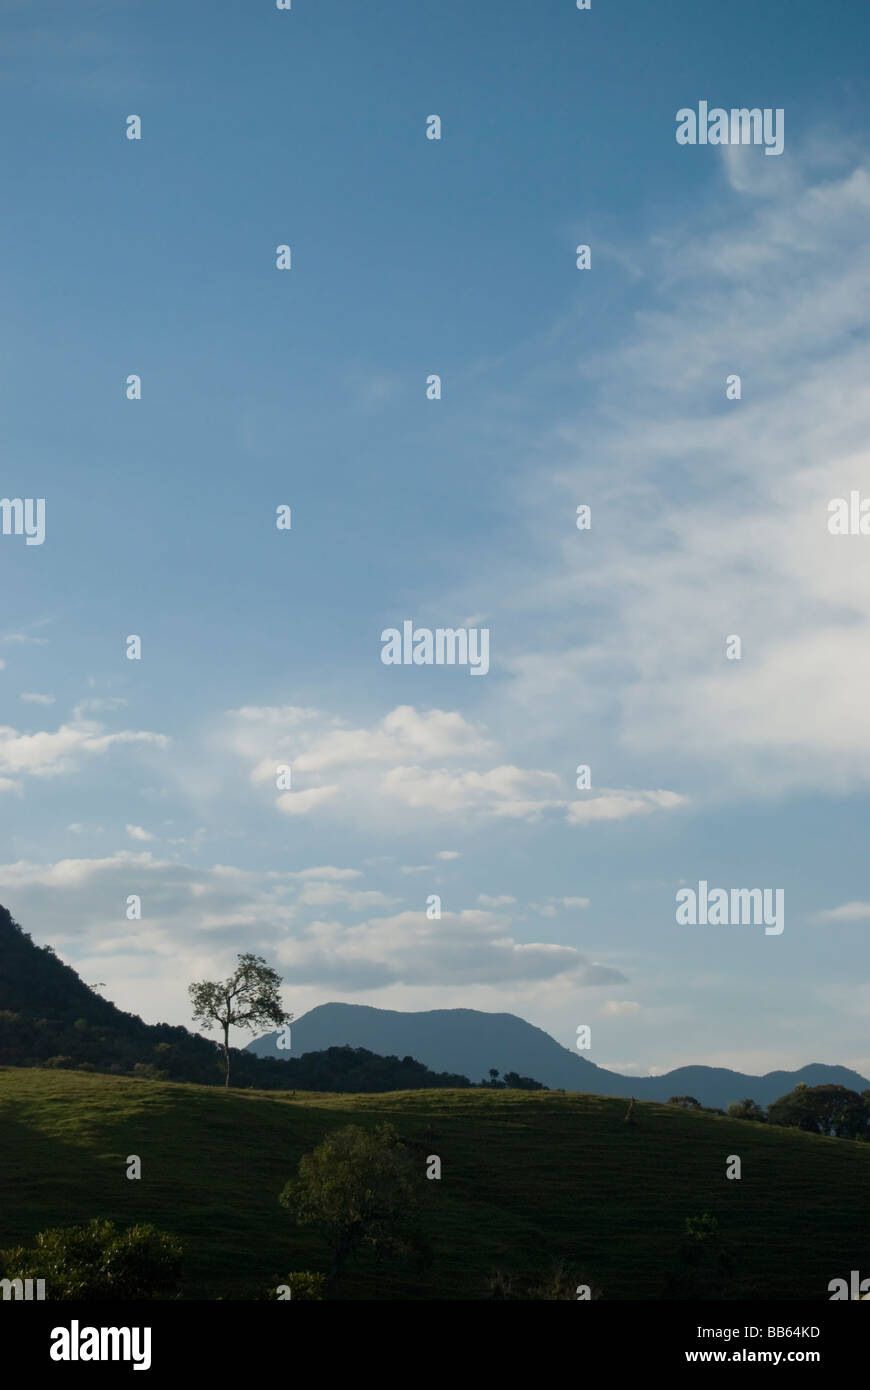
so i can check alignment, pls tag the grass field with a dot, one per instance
(529, 1179)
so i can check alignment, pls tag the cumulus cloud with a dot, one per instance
(373, 767)
(403, 734)
(50, 754)
(374, 763)
(197, 918)
(466, 947)
(32, 698)
(316, 743)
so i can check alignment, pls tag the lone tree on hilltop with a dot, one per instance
(248, 999)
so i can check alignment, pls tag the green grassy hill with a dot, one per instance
(529, 1179)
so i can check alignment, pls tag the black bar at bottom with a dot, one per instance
(217, 1340)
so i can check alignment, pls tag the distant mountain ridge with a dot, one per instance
(50, 1017)
(469, 1042)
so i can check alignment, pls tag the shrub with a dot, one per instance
(100, 1261)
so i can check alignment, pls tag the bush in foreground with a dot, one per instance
(100, 1261)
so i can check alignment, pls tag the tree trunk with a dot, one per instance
(227, 1054)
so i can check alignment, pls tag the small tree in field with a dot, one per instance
(360, 1188)
(248, 999)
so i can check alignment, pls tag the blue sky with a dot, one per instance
(560, 387)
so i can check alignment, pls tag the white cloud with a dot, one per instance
(500, 791)
(405, 733)
(311, 744)
(300, 803)
(136, 832)
(376, 776)
(615, 805)
(503, 900)
(314, 894)
(847, 912)
(449, 854)
(316, 743)
(32, 698)
(50, 754)
(70, 873)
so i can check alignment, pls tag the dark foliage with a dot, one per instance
(100, 1261)
(511, 1081)
(832, 1110)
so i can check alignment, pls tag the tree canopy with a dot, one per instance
(359, 1187)
(249, 998)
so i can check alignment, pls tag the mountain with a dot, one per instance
(50, 1017)
(470, 1042)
